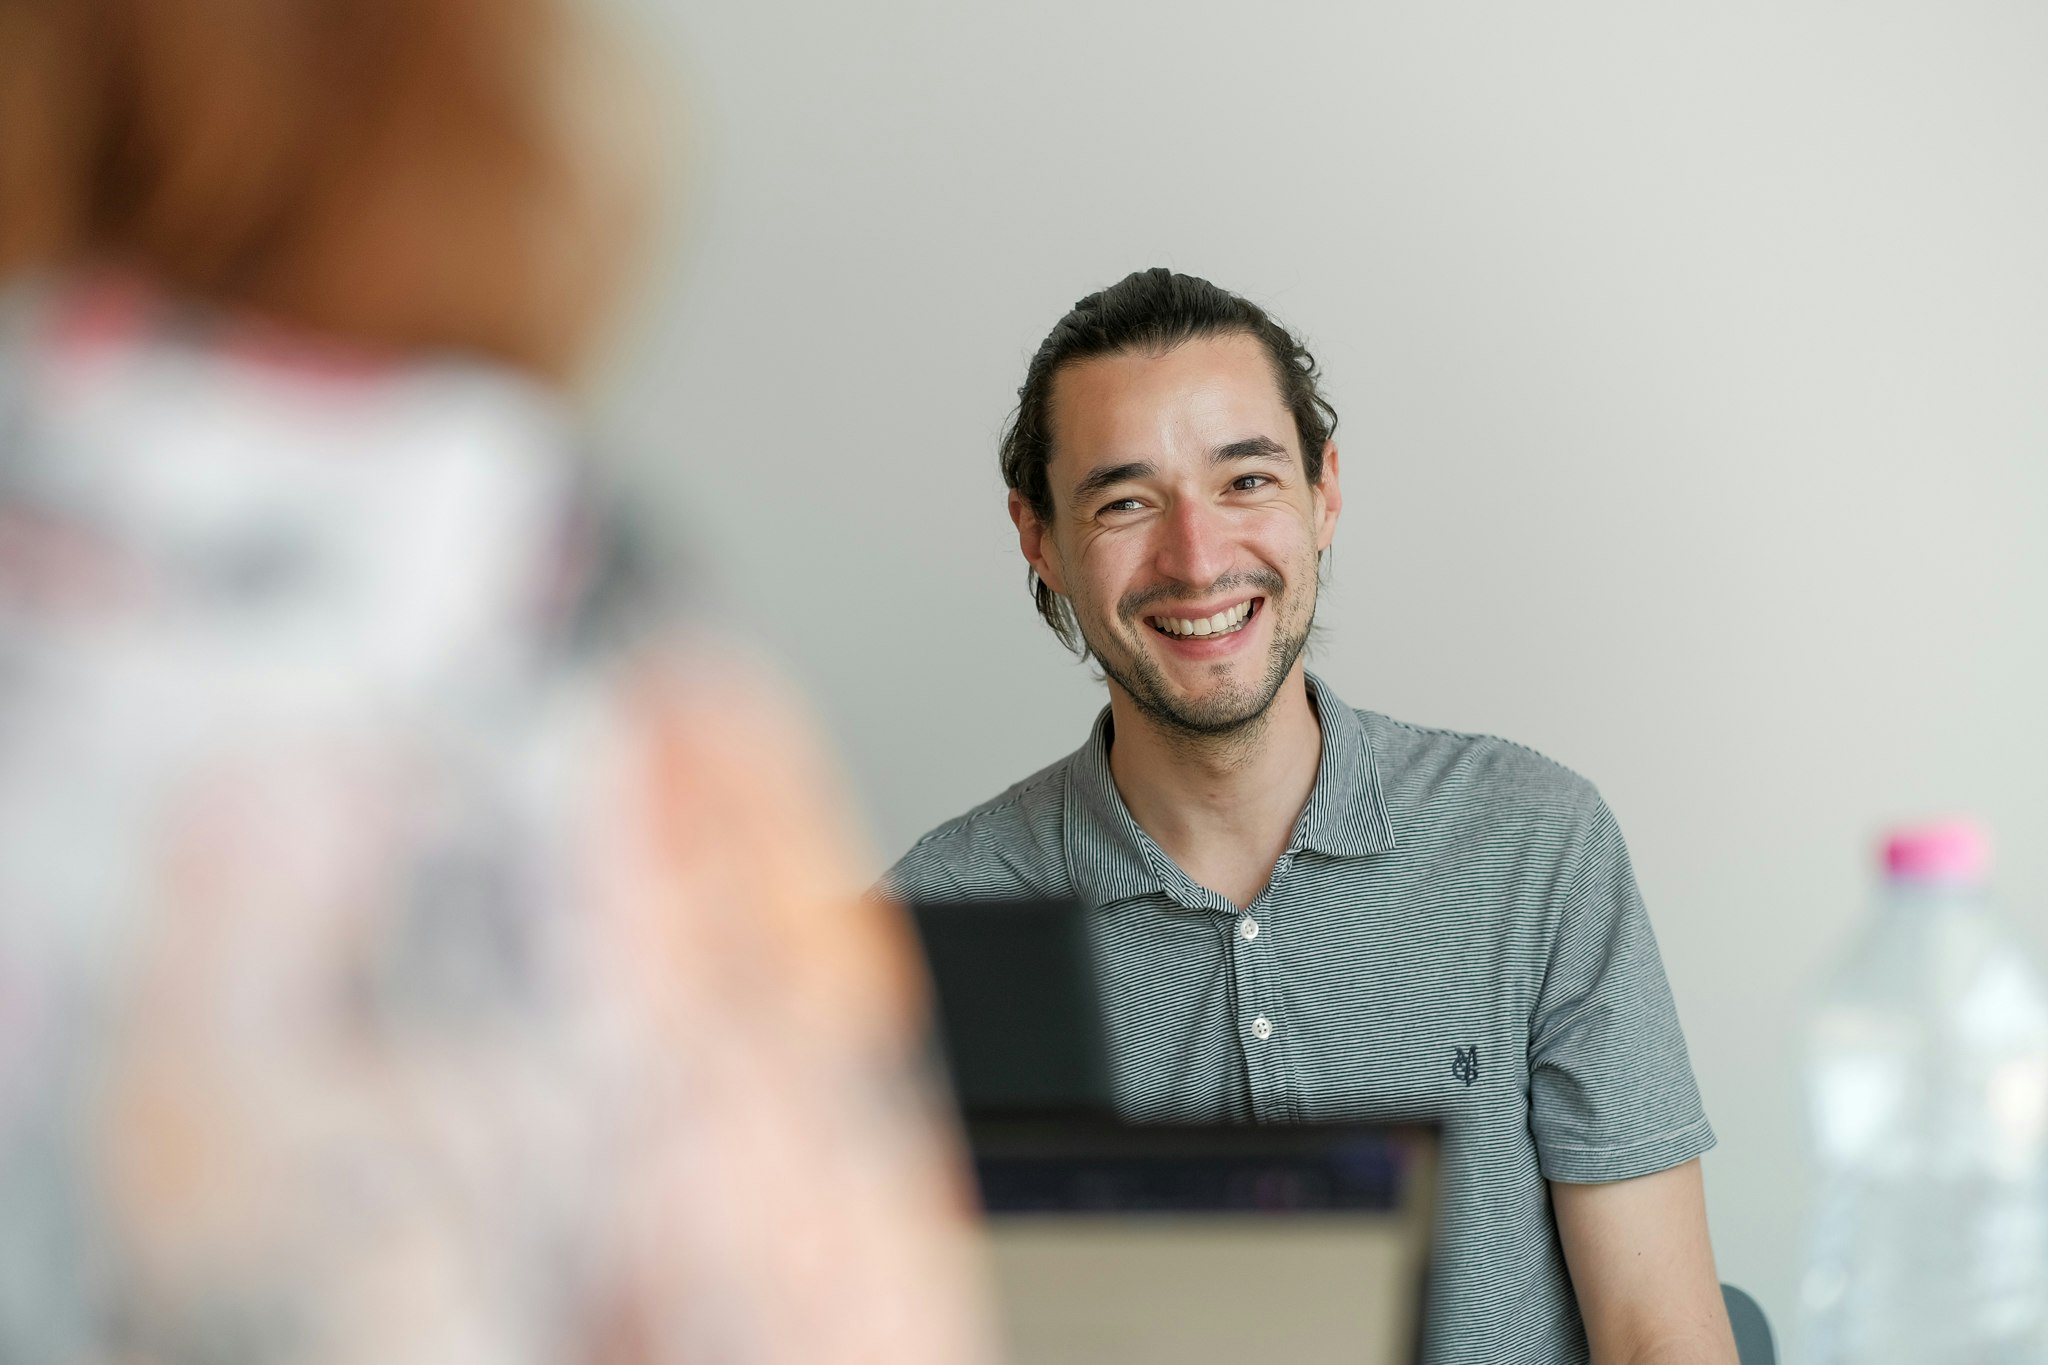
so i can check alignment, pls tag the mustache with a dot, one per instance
(1132, 605)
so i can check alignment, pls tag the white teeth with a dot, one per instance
(1222, 623)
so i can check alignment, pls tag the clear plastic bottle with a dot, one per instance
(1927, 1068)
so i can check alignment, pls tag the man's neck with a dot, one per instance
(1222, 807)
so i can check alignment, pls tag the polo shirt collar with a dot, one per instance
(1346, 816)
(1111, 858)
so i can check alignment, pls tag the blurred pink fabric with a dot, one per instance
(411, 948)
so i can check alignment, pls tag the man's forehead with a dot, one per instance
(1204, 393)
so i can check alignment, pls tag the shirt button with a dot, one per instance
(1247, 928)
(1262, 1028)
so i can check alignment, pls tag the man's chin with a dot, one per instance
(1208, 717)
(1221, 708)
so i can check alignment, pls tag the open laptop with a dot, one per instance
(1134, 1243)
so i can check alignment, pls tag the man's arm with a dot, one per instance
(1644, 1270)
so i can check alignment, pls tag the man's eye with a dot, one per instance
(1247, 482)
(1122, 505)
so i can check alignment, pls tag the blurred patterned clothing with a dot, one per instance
(401, 959)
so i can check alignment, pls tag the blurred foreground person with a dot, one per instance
(402, 958)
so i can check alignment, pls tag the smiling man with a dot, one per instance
(1307, 912)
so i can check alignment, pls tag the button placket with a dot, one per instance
(1267, 1067)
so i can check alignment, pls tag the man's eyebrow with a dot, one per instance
(1251, 448)
(1102, 476)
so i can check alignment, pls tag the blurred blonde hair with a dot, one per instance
(410, 174)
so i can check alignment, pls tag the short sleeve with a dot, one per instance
(924, 873)
(1612, 1092)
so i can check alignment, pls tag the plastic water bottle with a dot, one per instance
(1928, 1110)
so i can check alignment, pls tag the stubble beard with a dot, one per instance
(1229, 713)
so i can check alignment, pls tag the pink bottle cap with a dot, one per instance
(1949, 851)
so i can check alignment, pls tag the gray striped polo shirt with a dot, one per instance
(1453, 934)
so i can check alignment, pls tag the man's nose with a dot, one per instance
(1194, 543)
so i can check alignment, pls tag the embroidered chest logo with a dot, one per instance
(1465, 1066)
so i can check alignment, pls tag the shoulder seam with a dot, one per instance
(1481, 734)
(995, 806)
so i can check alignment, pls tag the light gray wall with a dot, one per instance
(1693, 364)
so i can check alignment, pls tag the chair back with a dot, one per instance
(1753, 1343)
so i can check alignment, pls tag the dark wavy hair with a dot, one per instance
(1149, 310)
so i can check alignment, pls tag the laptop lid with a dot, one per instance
(1117, 1245)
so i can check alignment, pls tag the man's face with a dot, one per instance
(1185, 532)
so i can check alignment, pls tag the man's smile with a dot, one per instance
(1225, 621)
(1211, 635)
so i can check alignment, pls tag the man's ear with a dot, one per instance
(1036, 542)
(1329, 498)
